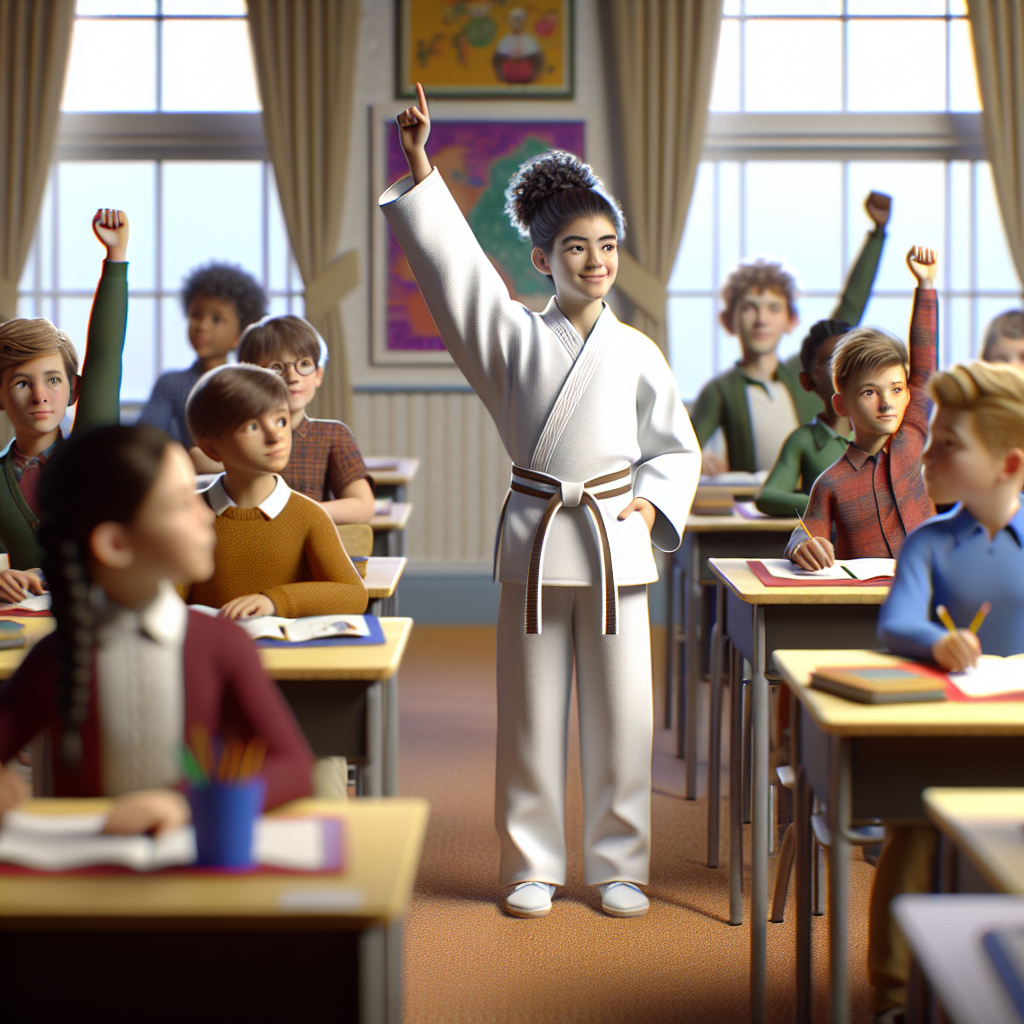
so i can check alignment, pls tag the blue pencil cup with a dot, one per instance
(224, 818)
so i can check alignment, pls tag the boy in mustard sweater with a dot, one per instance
(278, 553)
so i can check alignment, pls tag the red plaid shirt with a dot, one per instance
(325, 459)
(874, 501)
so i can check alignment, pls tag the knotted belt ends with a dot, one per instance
(559, 494)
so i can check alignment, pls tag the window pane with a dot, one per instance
(139, 368)
(882, 77)
(958, 7)
(692, 270)
(691, 342)
(73, 320)
(963, 82)
(177, 352)
(112, 66)
(732, 7)
(811, 309)
(957, 340)
(224, 220)
(891, 8)
(726, 92)
(918, 204)
(961, 228)
(278, 251)
(793, 65)
(138, 7)
(807, 241)
(755, 7)
(173, 7)
(730, 226)
(995, 267)
(83, 188)
(207, 65)
(892, 313)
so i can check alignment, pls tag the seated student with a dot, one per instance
(1004, 339)
(813, 447)
(39, 381)
(759, 402)
(278, 553)
(220, 301)
(972, 554)
(873, 495)
(325, 464)
(153, 668)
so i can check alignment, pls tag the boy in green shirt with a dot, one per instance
(813, 447)
(759, 401)
(39, 379)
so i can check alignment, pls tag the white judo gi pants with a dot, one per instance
(616, 713)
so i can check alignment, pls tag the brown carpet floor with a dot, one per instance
(466, 961)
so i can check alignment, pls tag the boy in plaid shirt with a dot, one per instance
(874, 495)
(325, 464)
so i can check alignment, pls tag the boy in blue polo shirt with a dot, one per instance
(970, 555)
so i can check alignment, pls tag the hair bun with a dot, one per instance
(540, 177)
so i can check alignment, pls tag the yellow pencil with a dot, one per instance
(946, 619)
(979, 617)
(800, 520)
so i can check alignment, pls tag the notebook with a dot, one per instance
(842, 571)
(310, 627)
(888, 684)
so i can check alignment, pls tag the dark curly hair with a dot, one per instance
(229, 282)
(819, 333)
(552, 189)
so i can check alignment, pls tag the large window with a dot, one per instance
(816, 104)
(169, 132)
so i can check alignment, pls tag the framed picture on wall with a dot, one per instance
(477, 159)
(485, 48)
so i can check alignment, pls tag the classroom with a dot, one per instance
(371, 649)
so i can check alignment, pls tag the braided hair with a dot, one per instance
(96, 476)
(816, 336)
(552, 189)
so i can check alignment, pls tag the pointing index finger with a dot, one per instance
(422, 96)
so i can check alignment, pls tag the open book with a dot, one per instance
(993, 677)
(843, 569)
(66, 842)
(34, 603)
(311, 627)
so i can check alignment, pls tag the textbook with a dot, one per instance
(844, 570)
(68, 842)
(12, 634)
(310, 627)
(880, 684)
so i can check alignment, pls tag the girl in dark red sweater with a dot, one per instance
(129, 669)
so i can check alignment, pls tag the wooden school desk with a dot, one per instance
(757, 620)
(874, 761)
(391, 474)
(345, 698)
(173, 946)
(705, 537)
(382, 578)
(389, 530)
(987, 825)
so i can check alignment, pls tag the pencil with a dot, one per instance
(979, 617)
(945, 618)
(800, 520)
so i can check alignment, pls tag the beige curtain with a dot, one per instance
(35, 36)
(663, 57)
(305, 55)
(997, 27)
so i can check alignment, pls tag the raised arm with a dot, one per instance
(858, 287)
(924, 335)
(414, 130)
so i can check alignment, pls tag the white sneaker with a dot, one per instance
(530, 899)
(623, 899)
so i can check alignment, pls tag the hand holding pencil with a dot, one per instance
(813, 553)
(959, 649)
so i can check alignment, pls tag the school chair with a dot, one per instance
(357, 540)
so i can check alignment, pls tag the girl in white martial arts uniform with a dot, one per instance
(605, 462)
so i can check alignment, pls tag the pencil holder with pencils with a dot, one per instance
(226, 794)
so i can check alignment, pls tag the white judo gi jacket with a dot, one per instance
(589, 425)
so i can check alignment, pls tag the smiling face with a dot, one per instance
(36, 394)
(760, 320)
(260, 445)
(956, 464)
(213, 328)
(875, 400)
(583, 261)
(301, 386)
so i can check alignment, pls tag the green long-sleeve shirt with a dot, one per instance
(723, 400)
(805, 455)
(98, 403)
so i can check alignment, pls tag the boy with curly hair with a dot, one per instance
(759, 402)
(220, 300)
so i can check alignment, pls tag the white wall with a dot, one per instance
(464, 470)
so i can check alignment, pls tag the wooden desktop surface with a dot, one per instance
(844, 717)
(396, 519)
(709, 492)
(988, 825)
(740, 579)
(383, 840)
(343, 662)
(736, 523)
(398, 472)
(383, 575)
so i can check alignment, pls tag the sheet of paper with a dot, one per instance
(992, 678)
(870, 568)
(32, 603)
(862, 569)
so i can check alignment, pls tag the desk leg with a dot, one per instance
(374, 770)
(394, 953)
(677, 635)
(759, 814)
(373, 976)
(736, 788)
(715, 739)
(671, 636)
(692, 668)
(391, 737)
(839, 816)
(802, 831)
